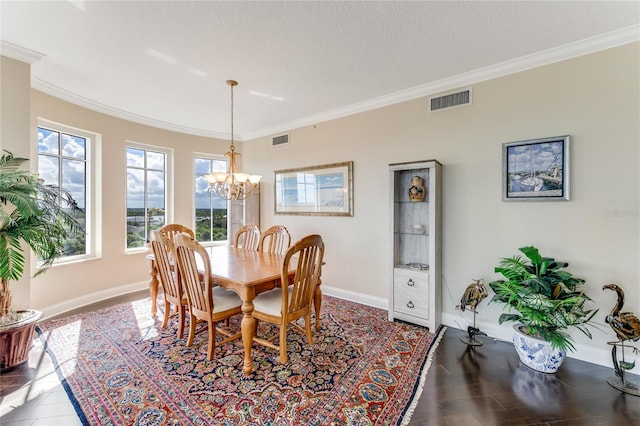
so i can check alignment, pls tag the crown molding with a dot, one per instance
(19, 53)
(65, 95)
(568, 51)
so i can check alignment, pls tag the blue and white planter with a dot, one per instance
(535, 353)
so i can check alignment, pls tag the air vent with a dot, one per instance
(450, 100)
(280, 140)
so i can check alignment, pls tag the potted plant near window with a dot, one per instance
(547, 300)
(33, 215)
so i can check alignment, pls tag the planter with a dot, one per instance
(16, 340)
(535, 353)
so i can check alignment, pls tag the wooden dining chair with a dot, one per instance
(207, 303)
(275, 239)
(170, 230)
(163, 251)
(283, 306)
(247, 237)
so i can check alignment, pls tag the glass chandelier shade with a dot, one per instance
(233, 185)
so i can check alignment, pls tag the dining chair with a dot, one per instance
(283, 306)
(170, 279)
(276, 238)
(170, 230)
(247, 237)
(207, 303)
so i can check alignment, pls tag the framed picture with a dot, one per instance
(325, 190)
(536, 170)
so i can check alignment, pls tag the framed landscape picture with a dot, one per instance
(325, 190)
(536, 170)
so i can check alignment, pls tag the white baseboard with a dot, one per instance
(78, 302)
(365, 299)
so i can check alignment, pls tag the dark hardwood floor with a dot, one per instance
(466, 386)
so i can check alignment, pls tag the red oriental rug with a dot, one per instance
(120, 368)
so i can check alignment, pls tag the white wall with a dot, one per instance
(594, 99)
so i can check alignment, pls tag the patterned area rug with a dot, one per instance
(120, 368)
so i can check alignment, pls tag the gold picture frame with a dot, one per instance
(325, 190)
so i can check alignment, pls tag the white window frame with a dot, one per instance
(205, 156)
(169, 183)
(93, 189)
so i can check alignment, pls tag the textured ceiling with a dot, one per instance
(165, 63)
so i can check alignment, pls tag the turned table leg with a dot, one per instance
(248, 327)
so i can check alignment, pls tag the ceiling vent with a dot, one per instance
(450, 100)
(280, 140)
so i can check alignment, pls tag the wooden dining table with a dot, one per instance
(248, 273)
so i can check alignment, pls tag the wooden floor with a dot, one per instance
(465, 386)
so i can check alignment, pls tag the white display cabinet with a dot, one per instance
(415, 212)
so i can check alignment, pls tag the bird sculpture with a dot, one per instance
(626, 325)
(473, 294)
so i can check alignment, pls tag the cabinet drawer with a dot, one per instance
(410, 280)
(411, 303)
(411, 293)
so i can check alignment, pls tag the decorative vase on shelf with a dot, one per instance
(417, 191)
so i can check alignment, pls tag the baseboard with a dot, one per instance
(78, 302)
(352, 296)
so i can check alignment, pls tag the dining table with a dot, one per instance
(247, 273)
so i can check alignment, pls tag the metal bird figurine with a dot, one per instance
(473, 294)
(626, 325)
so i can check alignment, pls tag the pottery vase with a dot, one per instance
(417, 191)
(536, 354)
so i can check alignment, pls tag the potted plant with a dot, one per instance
(33, 215)
(547, 300)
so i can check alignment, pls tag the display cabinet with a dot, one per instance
(415, 214)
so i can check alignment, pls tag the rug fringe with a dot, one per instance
(423, 376)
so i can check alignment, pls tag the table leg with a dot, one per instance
(153, 287)
(248, 327)
(317, 302)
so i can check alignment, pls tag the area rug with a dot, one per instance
(120, 368)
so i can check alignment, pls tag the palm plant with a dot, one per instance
(31, 213)
(547, 298)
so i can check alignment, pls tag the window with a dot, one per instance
(210, 209)
(65, 157)
(146, 193)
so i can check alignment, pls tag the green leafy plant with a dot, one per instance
(548, 299)
(31, 213)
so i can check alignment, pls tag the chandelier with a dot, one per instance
(233, 185)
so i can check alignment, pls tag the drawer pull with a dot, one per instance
(410, 305)
(410, 283)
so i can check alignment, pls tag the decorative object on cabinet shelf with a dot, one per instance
(473, 294)
(626, 325)
(418, 228)
(418, 266)
(327, 190)
(417, 191)
(536, 170)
